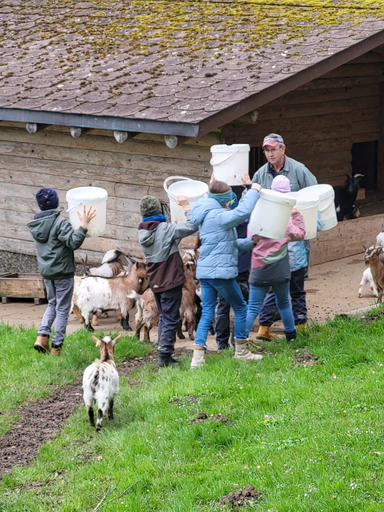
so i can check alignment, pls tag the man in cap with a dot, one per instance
(278, 163)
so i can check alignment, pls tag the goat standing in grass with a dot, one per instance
(372, 258)
(101, 381)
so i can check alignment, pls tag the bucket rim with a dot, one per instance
(99, 190)
(323, 190)
(228, 148)
(277, 197)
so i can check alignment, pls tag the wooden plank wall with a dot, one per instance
(128, 171)
(322, 119)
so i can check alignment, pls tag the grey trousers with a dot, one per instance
(59, 294)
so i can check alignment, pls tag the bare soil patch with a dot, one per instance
(203, 417)
(246, 497)
(42, 420)
(374, 317)
(303, 358)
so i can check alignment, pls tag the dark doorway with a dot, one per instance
(364, 161)
(256, 160)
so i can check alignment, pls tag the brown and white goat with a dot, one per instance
(97, 294)
(188, 306)
(101, 381)
(372, 258)
(147, 313)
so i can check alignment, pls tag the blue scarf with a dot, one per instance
(224, 198)
(159, 218)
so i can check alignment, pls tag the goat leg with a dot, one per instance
(180, 331)
(146, 334)
(125, 323)
(110, 410)
(99, 420)
(91, 415)
(94, 320)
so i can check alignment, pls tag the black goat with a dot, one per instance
(345, 196)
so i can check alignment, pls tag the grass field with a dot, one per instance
(308, 438)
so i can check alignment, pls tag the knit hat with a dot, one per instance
(47, 199)
(281, 184)
(149, 206)
(234, 203)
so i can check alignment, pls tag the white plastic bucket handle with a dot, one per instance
(170, 178)
(73, 207)
(214, 164)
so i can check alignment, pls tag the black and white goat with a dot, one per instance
(345, 197)
(101, 381)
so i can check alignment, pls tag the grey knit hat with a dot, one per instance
(149, 206)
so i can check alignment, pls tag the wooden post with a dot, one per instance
(380, 162)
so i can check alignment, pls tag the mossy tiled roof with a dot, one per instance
(166, 60)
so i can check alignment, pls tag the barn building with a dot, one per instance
(123, 94)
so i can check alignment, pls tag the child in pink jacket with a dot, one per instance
(270, 268)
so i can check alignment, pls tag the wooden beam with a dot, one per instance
(123, 136)
(34, 127)
(76, 131)
(172, 141)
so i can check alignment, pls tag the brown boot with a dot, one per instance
(56, 351)
(264, 333)
(42, 344)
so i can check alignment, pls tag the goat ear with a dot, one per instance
(116, 340)
(96, 340)
(364, 248)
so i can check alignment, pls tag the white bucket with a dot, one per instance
(307, 205)
(230, 163)
(271, 214)
(96, 197)
(328, 217)
(192, 189)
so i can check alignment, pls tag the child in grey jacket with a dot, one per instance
(159, 241)
(55, 242)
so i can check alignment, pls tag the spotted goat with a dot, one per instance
(372, 258)
(101, 382)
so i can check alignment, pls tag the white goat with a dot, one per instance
(114, 262)
(380, 239)
(368, 279)
(101, 381)
(96, 294)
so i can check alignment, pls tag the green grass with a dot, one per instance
(310, 439)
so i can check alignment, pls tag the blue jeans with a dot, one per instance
(256, 299)
(230, 290)
(59, 295)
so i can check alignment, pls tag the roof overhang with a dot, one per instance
(99, 122)
(209, 124)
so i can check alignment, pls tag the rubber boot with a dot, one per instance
(42, 344)
(56, 351)
(242, 352)
(290, 336)
(165, 361)
(198, 358)
(264, 333)
(301, 327)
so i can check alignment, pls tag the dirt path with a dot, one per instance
(42, 420)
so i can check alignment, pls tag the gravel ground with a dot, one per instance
(14, 262)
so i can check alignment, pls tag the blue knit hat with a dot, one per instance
(234, 203)
(47, 199)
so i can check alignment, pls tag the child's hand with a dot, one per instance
(256, 239)
(86, 216)
(246, 179)
(295, 210)
(256, 186)
(183, 202)
(212, 177)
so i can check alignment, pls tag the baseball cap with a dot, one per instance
(273, 139)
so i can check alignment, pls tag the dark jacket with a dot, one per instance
(55, 241)
(159, 241)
